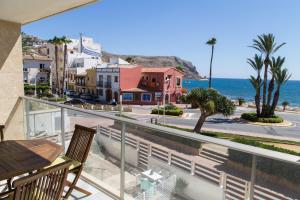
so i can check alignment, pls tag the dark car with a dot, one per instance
(86, 97)
(72, 94)
(75, 102)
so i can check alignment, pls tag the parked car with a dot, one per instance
(86, 97)
(72, 94)
(75, 102)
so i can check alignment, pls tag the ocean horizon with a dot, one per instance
(234, 88)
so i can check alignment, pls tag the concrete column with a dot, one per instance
(11, 80)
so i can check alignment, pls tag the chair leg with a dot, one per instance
(73, 184)
(9, 183)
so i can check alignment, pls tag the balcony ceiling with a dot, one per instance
(26, 11)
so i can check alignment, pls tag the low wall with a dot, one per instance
(196, 188)
(113, 147)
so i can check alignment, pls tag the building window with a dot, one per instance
(178, 81)
(153, 80)
(116, 79)
(42, 66)
(147, 78)
(127, 96)
(146, 97)
(100, 92)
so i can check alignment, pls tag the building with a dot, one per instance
(108, 79)
(148, 86)
(82, 54)
(36, 69)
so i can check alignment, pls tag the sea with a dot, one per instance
(235, 88)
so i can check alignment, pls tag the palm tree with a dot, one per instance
(56, 42)
(266, 45)
(210, 102)
(275, 65)
(257, 64)
(65, 41)
(212, 43)
(281, 77)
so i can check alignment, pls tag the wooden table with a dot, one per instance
(18, 157)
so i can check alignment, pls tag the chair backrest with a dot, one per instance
(47, 184)
(80, 143)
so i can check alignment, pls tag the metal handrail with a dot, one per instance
(197, 137)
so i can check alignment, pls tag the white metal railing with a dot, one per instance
(249, 189)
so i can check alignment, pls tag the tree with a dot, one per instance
(212, 43)
(267, 46)
(210, 102)
(65, 41)
(275, 65)
(281, 77)
(56, 42)
(284, 105)
(257, 64)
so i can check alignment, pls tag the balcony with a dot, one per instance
(130, 159)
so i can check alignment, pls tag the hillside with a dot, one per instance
(190, 71)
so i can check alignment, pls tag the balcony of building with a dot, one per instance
(130, 159)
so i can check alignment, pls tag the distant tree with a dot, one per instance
(267, 46)
(257, 64)
(56, 42)
(210, 102)
(284, 105)
(281, 77)
(65, 41)
(129, 60)
(180, 68)
(26, 49)
(212, 42)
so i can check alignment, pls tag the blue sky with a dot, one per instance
(181, 28)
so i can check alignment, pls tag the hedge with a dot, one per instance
(252, 117)
(173, 112)
(273, 167)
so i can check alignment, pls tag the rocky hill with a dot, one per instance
(190, 71)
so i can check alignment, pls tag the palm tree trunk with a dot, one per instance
(56, 69)
(200, 123)
(263, 111)
(275, 100)
(210, 68)
(64, 70)
(270, 92)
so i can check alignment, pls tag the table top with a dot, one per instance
(22, 156)
(153, 176)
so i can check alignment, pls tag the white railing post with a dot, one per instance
(122, 174)
(62, 127)
(193, 168)
(253, 177)
(169, 158)
(224, 180)
(149, 149)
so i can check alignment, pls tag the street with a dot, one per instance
(221, 123)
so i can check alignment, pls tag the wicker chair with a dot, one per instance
(47, 184)
(77, 153)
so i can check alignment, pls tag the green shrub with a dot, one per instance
(270, 166)
(170, 109)
(252, 117)
(241, 101)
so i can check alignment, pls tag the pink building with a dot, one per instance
(146, 86)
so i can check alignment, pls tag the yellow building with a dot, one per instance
(86, 82)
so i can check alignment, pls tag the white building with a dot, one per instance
(108, 79)
(36, 68)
